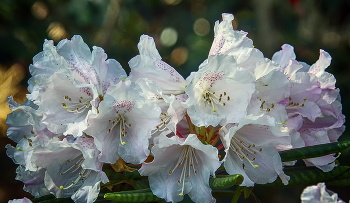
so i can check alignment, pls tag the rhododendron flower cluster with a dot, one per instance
(237, 111)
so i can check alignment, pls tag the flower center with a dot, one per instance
(165, 119)
(76, 105)
(73, 166)
(213, 98)
(244, 150)
(123, 125)
(187, 160)
(292, 104)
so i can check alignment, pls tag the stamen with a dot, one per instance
(238, 146)
(80, 177)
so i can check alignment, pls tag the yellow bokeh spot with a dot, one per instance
(201, 27)
(168, 37)
(179, 56)
(56, 31)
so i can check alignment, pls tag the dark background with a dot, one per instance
(116, 26)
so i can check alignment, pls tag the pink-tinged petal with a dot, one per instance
(319, 194)
(321, 64)
(309, 110)
(235, 43)
(273, 87)
(293, 67)
(125, 115)
(24, 200)
(109, 72)
(327, 81)
(251, 146)
(147, 47)
(149, 65)
(283, 56)
(325, 163)
(79, 58)
(304, 85)
(328, 97)
(211, 100)
(65, 174)
(263, 67)
(33, 181)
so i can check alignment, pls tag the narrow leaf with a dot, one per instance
(313, 151)
(307, 176)
(225, 181)
(132, 196)
(341, 180)
(114, 176)
(236, 195)
(51, 199)
(247, 191)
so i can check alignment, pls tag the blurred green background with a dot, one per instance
(183, 31)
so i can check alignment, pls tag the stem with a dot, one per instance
(202, 131)
(197, 129)
(179, 134)
(189, 124)
(215, 140)
(236, 195)
(220, 146)
(211, 133)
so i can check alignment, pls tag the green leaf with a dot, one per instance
(247, 191)
(236, 195)
(51, 199)
(225, 181)
(307, 175)
(144, 195)
(341, 180)
(117, 176)
(314, 151)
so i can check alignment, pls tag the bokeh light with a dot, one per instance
(201, 27)
(331, 39)
(39, 10)
(56, 31)
(179, 56)
(172, 2)
(168, 37)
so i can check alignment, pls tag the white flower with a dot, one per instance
(149, 65)
(124, 123)
(219, 92)
(319, 194)
(70, 80)
(181, 166)
(250, 149)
